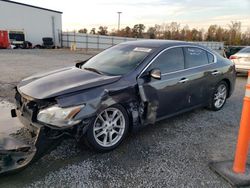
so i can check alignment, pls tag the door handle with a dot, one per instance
(215, 72)
(183, 80)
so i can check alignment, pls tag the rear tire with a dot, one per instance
(108, 129)
(219, 96)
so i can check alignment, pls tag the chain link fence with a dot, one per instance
(88, 42)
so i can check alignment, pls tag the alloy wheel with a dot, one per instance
(220, 96)
(109, 127)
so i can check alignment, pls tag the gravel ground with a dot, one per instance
(18, 64)
(172, 153)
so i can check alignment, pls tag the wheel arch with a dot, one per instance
(132, 109)
(227, 81)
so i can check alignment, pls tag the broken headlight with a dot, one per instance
(58, 116)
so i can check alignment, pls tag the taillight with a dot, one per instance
(233, 57)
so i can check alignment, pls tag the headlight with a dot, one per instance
(60, 117)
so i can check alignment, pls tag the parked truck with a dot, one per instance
(13, 39)
(17, 38)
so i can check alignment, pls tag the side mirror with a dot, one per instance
(80, 63)
(156, 74)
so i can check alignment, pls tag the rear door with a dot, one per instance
(201, 74)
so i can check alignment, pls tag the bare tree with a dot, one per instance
(219, 34)
(125, 32)
(103, 30)
(152, 32)
(138, 30)
(234, 32)
(93, 31)
(83, 30)
(230, 36)
(211, 33)
(245, 38)
(174, 28)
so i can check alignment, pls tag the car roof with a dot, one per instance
(159, 43)
(242, 51)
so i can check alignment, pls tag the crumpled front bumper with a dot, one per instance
(16, 152)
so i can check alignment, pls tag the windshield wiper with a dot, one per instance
(93, 70)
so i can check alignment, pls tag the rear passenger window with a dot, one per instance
(210, 58)
(169, 61)
(195, 57)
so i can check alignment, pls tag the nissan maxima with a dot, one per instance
(120, 89)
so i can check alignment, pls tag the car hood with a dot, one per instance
(62, 81)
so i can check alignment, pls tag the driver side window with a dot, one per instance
(169, 61)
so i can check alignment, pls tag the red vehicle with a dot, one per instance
(4, 39)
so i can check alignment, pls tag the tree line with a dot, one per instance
(232, 35)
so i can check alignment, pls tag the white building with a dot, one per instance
(35, 22)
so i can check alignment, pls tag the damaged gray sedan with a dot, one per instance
(123, 88)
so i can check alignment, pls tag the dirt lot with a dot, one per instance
(171, 153)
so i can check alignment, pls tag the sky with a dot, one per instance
(198, 14)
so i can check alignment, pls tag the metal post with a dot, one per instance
(112, 39)
(73, 45)
(53, 29)
(98, 41)
(67, 39)
(86, 43)
(60, 33)
(74, 36)
(119, 13)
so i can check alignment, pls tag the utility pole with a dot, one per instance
(119, 13)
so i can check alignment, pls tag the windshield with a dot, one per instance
(117, 60)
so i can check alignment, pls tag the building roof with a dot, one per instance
(22, 4)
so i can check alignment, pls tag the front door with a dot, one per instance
(169, 94)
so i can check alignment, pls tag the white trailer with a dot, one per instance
(35, 22)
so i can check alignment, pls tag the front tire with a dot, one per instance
(219, 96)
(108, 128)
